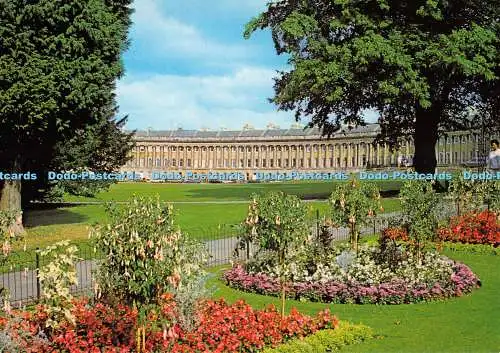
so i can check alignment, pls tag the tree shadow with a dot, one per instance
(51, 214)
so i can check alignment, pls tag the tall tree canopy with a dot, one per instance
(59, 61)
(424, 65)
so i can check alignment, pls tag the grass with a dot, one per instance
(210, 220)
(465, 324)
(220, 192)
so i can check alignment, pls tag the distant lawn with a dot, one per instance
(220, 192)
(465, 324)
(202, 221)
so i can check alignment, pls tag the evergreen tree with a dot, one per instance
(59, 61)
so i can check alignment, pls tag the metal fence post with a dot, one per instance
(317, 223)
(37, 267)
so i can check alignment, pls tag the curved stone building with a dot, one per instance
(249, 150)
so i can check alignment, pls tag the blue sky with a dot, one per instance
(189, 67)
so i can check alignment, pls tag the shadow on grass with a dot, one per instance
(43, 216)
(306, 191)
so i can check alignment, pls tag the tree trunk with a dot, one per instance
(10, 196)
(426, 136)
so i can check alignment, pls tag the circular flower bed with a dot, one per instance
(387, 275)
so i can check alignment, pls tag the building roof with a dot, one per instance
(254, 133)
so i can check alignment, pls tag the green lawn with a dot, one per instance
(219, 192)
(202, 220)
(466, 324)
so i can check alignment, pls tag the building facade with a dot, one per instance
(248, 151)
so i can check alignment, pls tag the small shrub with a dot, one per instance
(473, 228)
(326, 340)
(352, 204)
(56, 279)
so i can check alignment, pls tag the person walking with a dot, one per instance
(494, 156)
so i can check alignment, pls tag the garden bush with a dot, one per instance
(222, 328)
(326, 340)
(342, 277)
(473, 228)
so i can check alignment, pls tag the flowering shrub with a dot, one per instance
(395, 233)
(473, 228)
(352, 205)
(222, 328)
(396, 291)
(56, 278)
(340, 276)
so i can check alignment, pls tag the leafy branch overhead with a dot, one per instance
(429, 62)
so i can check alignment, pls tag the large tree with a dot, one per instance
(59, 61)
(422, 64)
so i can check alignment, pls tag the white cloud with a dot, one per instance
(165, 36)
(192, 102)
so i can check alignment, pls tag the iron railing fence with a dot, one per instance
(19, 276)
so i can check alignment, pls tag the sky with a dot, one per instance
(188, 66)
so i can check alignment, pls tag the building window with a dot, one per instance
(338, 161)
(233, 149)
(219, 163)
(181, 162)
(189, 163)
(165, 162)
(188, 149)
(158, 162)
(174, 163)
(233, 163)
(294, 162)
(256, 163)
(286, 163)
(308, 148)
(226, 163)
(242, 164)
(323, 147)
(279, 163)
(150, 162)
(271, 163)
(301, 162)
(249, 164)
(263, 163)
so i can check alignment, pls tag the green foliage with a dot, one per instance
(326, 340)
(8, 234)
(421, 64)
(483, 249)
(144, 255)
(58, 64)
(56, 279)
(418, 203)
(352, 204)
(492, 195)
(278, 221)
(469, 195)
